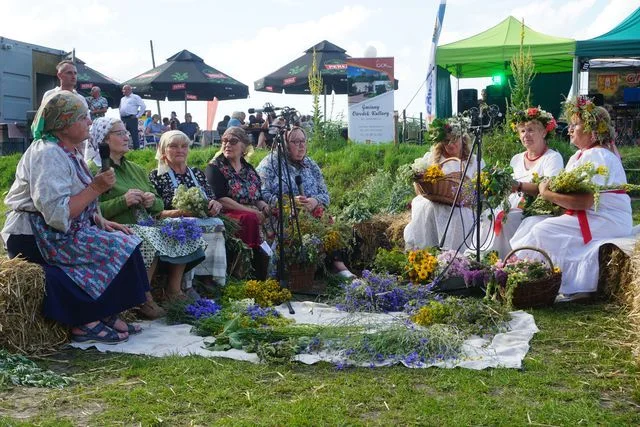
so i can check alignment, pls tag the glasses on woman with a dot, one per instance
(120, 132)
(297, 141)
(230, 141)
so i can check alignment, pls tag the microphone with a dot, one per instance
(265, 109)
(299, 184)
(105, 152)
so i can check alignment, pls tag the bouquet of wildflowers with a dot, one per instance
(578, 180)
(182, 230)
(495, 187)
(191, 200)
(421, 265)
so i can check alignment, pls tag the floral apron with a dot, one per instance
(90, 256)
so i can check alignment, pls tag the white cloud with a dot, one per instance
(610, 17)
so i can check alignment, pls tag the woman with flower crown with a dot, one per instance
(532, 127)
(573, 239)
(429, 219)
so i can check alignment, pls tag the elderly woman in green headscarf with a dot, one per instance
(93, 267)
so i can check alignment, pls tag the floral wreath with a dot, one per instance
(585, 108)
(533, 113)
(440, 128)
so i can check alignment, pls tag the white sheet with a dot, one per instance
(506, 350)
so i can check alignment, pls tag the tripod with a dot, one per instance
(477, 117)
(280, 154)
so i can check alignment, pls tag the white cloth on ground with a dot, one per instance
(505, 350)
(550, 164)
(562, 238)
(429, 219)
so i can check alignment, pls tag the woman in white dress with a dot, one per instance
(429, 219)
(532, 126)
(573, 239)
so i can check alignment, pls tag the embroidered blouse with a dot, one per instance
(243, 186)
(165, 188)
(312, 180)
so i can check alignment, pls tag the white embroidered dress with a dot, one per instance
(429, 219)
(562, 238)
(550, 164)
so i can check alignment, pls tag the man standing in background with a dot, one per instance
(68, 76)
(131, 108)
(97, 103)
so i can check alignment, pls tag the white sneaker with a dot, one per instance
(578, 296)
(346, 274)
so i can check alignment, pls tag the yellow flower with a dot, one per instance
(602, 170)
(556, 270)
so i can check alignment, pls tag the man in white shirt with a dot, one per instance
(68, 76)
(131, 108)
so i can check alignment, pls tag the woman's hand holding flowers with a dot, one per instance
(543, 187)
(133, 197)
(309, 203)
(214, 207)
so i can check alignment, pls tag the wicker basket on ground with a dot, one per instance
(535, 293)
(443, 190)
(301, 279)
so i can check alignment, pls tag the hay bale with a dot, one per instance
(630, 295)
(22, 327)
(395, 231)
(615, 273)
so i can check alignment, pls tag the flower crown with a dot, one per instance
(440, 128)
(533, 113)
(584, 108)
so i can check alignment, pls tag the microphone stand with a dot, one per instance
(477, 145)
(280, 155)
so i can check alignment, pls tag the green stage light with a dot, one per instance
(497, 79)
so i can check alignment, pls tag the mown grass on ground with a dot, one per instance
(578, 371)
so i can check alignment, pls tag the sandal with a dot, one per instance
(112, 320)
(151, 310)
(93, 335)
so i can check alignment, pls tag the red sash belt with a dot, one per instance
(497, 224)
(583, 221)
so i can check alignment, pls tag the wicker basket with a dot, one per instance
(301, 279)
(535, 293)
(444, 189)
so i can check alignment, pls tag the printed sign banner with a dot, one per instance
(370, 83)
(612, 82)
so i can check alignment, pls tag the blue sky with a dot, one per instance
(249, 40)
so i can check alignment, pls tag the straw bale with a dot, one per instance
(615, 273)
(22, 327)
(631, 297)
(395, 231)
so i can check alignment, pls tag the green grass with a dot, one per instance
(578, 371)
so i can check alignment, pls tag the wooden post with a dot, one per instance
(153, 63)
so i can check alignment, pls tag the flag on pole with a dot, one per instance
(431, 70)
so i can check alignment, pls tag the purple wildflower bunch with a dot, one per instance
(183, 230)
(255, 312)
(458, 264)
(146, 222)
(202, 308)
(380, 293)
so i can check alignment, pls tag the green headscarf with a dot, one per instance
(57, 112)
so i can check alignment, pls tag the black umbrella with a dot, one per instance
(186, 77)
(88, 78)
(293, 78)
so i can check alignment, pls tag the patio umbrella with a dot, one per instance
(88, 78)
(186, 77)
(293, 78)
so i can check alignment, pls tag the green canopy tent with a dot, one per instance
(621, 42)
(489, 53)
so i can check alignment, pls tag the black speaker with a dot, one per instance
(598, 98)
(467, 98)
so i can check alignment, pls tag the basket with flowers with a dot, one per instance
(524, 282)
(309, 237)
(433, 183)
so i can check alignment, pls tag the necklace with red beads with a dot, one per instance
(526, 155)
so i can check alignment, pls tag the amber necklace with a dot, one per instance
(526, 155)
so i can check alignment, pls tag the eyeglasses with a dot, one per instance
(230, 141)
(297, 141)
(120, 132)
